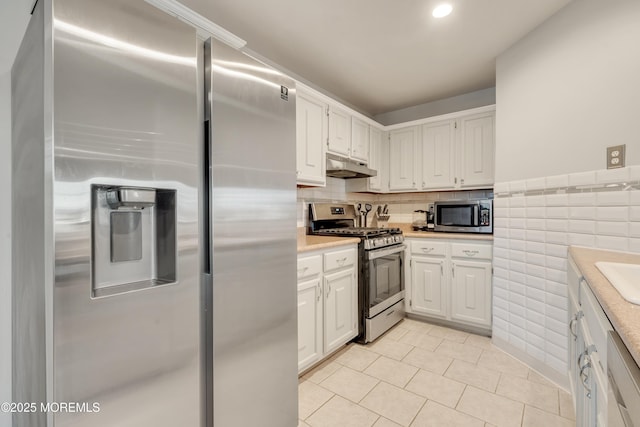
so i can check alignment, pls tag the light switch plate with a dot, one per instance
(615, 156)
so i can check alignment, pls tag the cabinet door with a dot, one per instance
(403, 159)
(359, 140)
(574, 316)
(586, 386)
(309, 323)
(477, 144)
(339, 132)
(438, 141)
(427, 286)
(339, 309)
(375, 158)
(311, 136)
(471, 292)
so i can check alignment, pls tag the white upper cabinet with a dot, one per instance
(375, 158)
(359, 140)
(452, 154)
(339, 132)
(477, 146)
(379, 161)
(438, 143)
(403, 159)
(311, 136)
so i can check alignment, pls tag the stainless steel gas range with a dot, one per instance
(380, 266)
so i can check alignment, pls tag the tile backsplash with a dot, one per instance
(401, 205)
(535, 221)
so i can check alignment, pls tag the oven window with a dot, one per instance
(385, 278)
(460, 216)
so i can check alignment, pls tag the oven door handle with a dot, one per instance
(379, 253)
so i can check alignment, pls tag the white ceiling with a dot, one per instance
(382, 55)
(377, 55)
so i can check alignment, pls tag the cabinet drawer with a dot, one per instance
(471, 251)
(309, 266)
(339, 259)
(428, 247)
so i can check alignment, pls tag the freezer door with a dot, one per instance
(126, 325)
(251, 119)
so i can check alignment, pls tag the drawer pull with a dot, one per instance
(573, 323)
(427, 249)
(469, 252)
(341, 261)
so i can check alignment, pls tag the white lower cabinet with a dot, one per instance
(450, 281)
(339, 324)
(327, 302)
(471, 292)
(427, 280)
(588, 330)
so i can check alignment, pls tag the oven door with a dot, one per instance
(386, 278)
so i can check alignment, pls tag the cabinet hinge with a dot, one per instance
(455, 125)
(410, 263)
(410, 303)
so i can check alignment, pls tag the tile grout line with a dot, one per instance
(482, 351)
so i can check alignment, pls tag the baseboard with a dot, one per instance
(559, 379)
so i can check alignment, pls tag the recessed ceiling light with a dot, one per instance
(442, 10)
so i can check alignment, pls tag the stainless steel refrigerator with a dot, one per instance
(153, 229)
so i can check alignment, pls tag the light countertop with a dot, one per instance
(408, 232)
(308, 243)
(623, 315)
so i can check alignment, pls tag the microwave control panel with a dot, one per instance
(485, 219)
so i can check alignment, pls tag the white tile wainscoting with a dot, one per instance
(534, 223)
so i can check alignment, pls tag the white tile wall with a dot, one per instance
(599, 209)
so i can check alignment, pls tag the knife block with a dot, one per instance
(381, 220)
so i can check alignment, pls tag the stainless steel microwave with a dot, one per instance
(464, 216)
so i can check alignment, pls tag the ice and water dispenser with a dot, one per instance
(133, 238)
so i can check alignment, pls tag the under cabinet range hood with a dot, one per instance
(340, 167)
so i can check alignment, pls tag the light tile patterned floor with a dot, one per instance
(419, 375)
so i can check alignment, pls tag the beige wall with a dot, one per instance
(568, 90)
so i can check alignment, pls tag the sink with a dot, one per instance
(624, 277)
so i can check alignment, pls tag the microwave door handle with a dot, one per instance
(476, 220)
